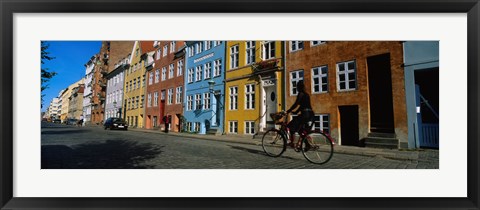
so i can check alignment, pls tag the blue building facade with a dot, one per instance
(204, 87)
(422, 92)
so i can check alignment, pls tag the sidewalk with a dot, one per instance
(424, 155)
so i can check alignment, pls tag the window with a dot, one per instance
(155, 121)
(138, 82)
(217, 43)
(199, 47)
(206, 101)
(208, 45)
(189, 102)
(189, 126)
(170, 71)
(295, 76)
(232, 126)
(197, 127)
(250, 52)
(250, 96)
(158, 54)
(178, 95)
(170, 96)
(157, 75)
(198, 73)
(164, 73)
(149, 100)
(190, 75)
(315, 43)
(198, 101)
(162, 96)
(165, 50)
(191, 51)
(346, 76)
(155, 99)
(143, 80)
(180, 68)
(268, 50)
(322, 122)
(150, 78)
(234, 57)
(134, 84)
(137, 102)
(208, 70)
(320, 79)
(217, 66)
(249, 127)
(296, 45)
(142, 101)
(172, 46)
(233, 98)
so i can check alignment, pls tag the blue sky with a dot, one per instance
(70, 57)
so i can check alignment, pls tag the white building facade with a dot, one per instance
(87, 95)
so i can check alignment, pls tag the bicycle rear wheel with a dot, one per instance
(317, 148)
(274, 143)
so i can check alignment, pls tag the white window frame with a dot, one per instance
(198, 101)
(172, 46)
(295, 45)
(217, 68)
(170, 96)
(249, 96)
(179, 68)
(234, 56)
(249, 127)
(199, 47)
(233, 126)
(171, 70)
(189, 102)
(267, 48)
(217, 43)
(191, 51)
(178, 95)
(206, 101)
(318, 42)
(155, 99)
(164, 73)
(165, 50)
(198, 73)
(158, 55)
(207, 70)
(157, 75)
(233, 94)
(322, 123)
(293, 81)
(190, 75)
(250, 52)
(346, 73)
(208, 45)
(320, 76)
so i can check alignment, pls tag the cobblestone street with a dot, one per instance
(93, 147)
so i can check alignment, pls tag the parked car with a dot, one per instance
(57, 121)
(115, 123)
(71, 121)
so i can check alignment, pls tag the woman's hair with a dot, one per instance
(301, 86)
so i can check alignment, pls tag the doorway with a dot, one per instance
(380, 94)
(349, 125)
(270, 103)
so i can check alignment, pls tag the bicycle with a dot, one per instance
(316, 146)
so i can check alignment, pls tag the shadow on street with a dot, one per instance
(111, 154)
(259, 152)
(63, 132)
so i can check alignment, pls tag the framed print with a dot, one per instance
(38, 175)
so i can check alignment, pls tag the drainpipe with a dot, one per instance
(263, 104)
(284, 101)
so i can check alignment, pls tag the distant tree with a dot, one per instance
(46, 74)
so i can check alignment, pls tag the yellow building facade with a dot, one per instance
(66, 101)
(134, 89)
(254, 84)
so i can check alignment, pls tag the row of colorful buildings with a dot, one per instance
(364, 93)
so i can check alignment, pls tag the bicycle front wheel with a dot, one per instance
(274, 143)
(317, 148)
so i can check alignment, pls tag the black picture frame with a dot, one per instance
(10, 7)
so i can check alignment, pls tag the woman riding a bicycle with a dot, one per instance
(306, 114)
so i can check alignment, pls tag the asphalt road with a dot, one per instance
(72, 147)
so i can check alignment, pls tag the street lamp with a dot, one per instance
(211, 83)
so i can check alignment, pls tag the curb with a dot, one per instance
(369, 152)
